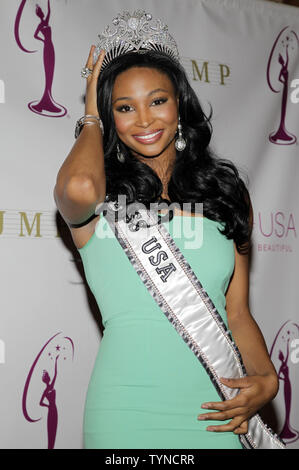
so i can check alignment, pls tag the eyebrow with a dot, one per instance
(130, 98)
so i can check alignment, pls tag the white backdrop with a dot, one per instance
(242, 57)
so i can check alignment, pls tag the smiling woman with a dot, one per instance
(145, 116)
(147, 384)
(139, 94)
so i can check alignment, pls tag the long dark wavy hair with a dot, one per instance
(199, 175)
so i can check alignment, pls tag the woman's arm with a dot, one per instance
(81, 181)
(251, 344)
(244, 328)
(261, 384)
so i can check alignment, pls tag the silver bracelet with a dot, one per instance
(84, 119)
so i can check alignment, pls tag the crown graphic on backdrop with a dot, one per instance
(137, 32)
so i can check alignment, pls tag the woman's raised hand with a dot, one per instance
(91, 82)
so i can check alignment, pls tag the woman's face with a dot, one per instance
(145, 110)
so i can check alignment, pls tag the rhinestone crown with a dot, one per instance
(135, 33)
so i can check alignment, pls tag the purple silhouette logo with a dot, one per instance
(39, 389)
(282, 57)
(46, 106)
(280, 355)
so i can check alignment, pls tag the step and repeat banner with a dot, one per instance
(242, 57)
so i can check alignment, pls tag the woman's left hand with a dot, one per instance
(255, 392)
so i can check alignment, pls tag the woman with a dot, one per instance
(147, 388)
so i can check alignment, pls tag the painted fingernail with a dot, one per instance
(201, 417)
(209, 428)
(205, 405)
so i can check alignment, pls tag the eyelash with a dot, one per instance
(163, 100)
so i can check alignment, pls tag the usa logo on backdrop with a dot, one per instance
(281, 62)
(42, 384)
(41, 31)
(276, 231)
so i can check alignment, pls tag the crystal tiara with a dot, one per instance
(135, 33)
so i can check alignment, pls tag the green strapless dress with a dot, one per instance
(147, 386)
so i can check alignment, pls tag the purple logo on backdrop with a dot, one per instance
(280, 355)
(40, 388)
(46, 106)
(278, 229)
(282, 57)
(279, 223)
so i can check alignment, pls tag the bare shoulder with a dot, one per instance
(81, 235)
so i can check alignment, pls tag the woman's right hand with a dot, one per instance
(91, 106)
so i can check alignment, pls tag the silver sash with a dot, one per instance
(178, 292)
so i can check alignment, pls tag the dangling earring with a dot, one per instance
(180, 142)
(120, 156)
